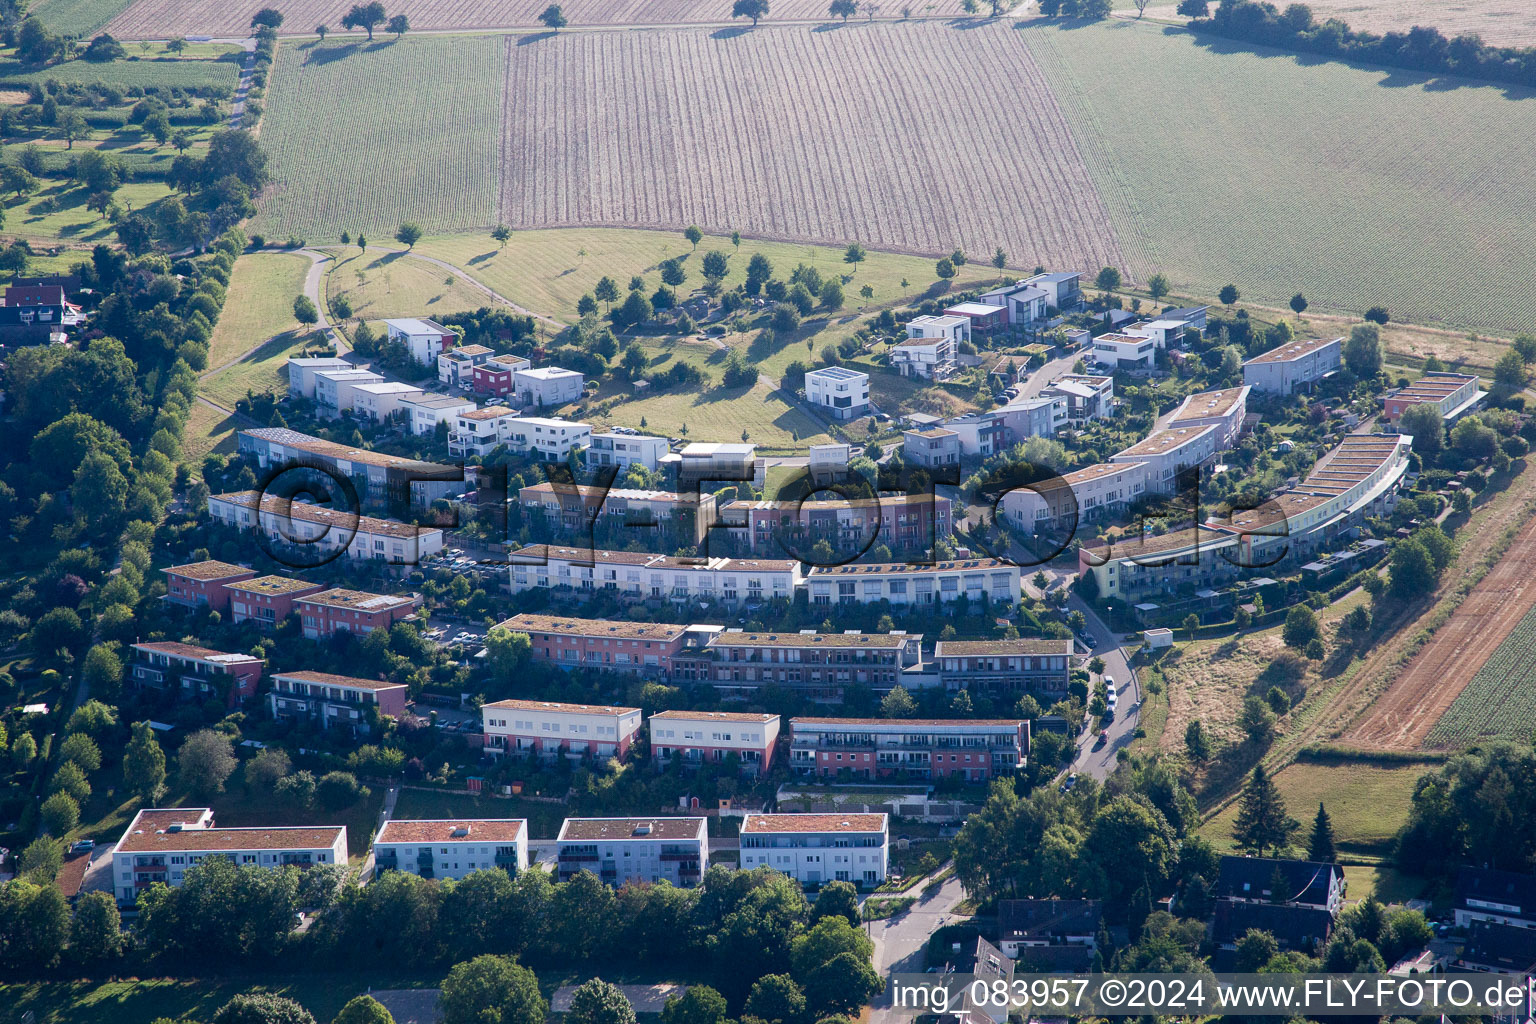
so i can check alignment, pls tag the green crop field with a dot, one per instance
(1283, 174)
(1368, 803)
(194, 73)
(77, 17)
(259, 304)
(364, 137)
(1500, 701)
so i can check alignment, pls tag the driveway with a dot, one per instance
(391, 795)
(1106, 644)
(900, 941)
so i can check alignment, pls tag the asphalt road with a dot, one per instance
(1099, 762)
(900, 941)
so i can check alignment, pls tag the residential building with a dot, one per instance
(425, 411)
(379, 402)
(620, 851)
(456, 366)
(44, 303)
(611, 448)
(638, 648)
(351, 611)
(451, 848)
(1165, 454)
(982, 433)
(1081, 496)
(335, 702)
(1088, 396)
(202, 583)
(1499, 949)
(818, 848)
(844, 393)
(907, 583)
(1298, 928)
(495, 376)
(302, 371)
(1009, 666)
(828, 461)
(324, 533)
(819, 666)
(933, 343)
(1167, 333)
(1063, 289)
(479, 431)
(1451, 394)
(547, 386)
(972, 749)
(791, 528)
(1224, 409)
(1023, 302)
(1304, 883)
(573, 509)
(266, 600)
(711, 737)
(549, 729)
(193, 673)
(702, 462)
(931, 448)
(1020, 419)
(425, 340)
(1027, 926)
(1125, 351)
(1193, 317)
(645, 576)
(1501, 897)
(552, 440)
(163, 844)
(333, 395)
(984, 317)
(376, 477)
(1287, 368)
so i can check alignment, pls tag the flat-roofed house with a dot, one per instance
(301, 373)
(1023, 302)
(195, 673)
(377, 477)
(547, 386)
(333, 701)
(842, 392)
(202, 583)
(1008, 666)
(451, 847)
(991, 579)
(426, 411)
(424, 339)
(931, 346)
(495, 376)
(934, 446)
(611, 448)
(319, 532)
(818, 848)
(1119, 351)
(621, 851)
(333, 395)
(792, 527)
(1452, 395)
(642, 575)
(1285, 369)
(352, 611)
(379, 402)
(1089, 396)
(983, 316)
(456, 366)
(972, 749)
(161, 845)
(1081, 496)
(551, 729)
(711, 737)
(572, 509)
(266, 600)
(638, 648)
(818, 666)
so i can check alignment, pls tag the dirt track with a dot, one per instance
(1403, 716)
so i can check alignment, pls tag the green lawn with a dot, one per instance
(548, 270)
(140, 1001)
(262, 370)
(395, 284)
(365, 136)
(1367, 803)
(57, 212)
(215, 67)
(207, 431)
(259, 303)
(1278, 173)
(721, 415)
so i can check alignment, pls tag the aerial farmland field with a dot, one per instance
(798, 133)
(1500, 701)
(348, 155)
(1499, 22)
(77, 17)
(156, 18)
(1283, 174)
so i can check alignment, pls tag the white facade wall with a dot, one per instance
(453, 858)
(724, 579)
(863, 584)
(361, 537)
(579, 732)
(547, 386)
(331, 391)
(301, 373)
(623, 450)
(814, 858)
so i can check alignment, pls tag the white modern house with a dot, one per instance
(478, 431)
(425, 340)
(1024, 302)
(844, 393)
(325, 531)
(553, 440)
(451, 848)
(456, 366)
(932, 344)
(1125, 350)
(612, 448)
(377, 401)
(550, 729)
(643, 850)
(1166, 453)
(818, 848)
(547, 386)
(641, 575)
(332, 394)
(301, 373)
(424, 412)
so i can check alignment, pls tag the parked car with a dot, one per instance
(83, 846)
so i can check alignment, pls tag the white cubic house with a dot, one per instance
(842, 392)
(643, 850)
(613, 448)
(547, 386)
(425, 340)
(932, 344)
(424, 412)
(818, 848)
(301, 373)
(163, 844)
(451, 848)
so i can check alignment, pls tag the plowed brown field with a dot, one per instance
(1403, 716)
(157, 19)
(916, 137)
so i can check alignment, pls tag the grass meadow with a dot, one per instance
(1280, 173)
(364, 136)
(394, 284)
(259, 304)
